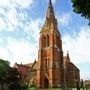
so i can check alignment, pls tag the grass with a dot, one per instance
(33, 88)
(44, 89)
(55, 89)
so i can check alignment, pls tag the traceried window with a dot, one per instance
(44, 40)
(48, 41)
(46, 63)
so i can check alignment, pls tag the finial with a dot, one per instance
(50, 11)
(21, 63)
(35, 59)
(68, 55)
(67, 51)
(49, 1)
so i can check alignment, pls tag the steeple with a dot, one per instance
(50, 21)
(50, 11)
(49, 1)
(68, 56)
(50, 54)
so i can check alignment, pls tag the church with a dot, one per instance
(52, 69)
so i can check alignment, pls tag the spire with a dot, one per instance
(50, 2)
(50, 11)
(50, 21)
(68, 55)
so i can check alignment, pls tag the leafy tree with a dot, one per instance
(82, 84)
(13, 79)
(77, 85)
(4, 68)
(13, 75)
(82, 7)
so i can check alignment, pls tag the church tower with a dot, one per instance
(50, 54)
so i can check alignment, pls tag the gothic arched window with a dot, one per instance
(47, 62)
(44, 40)
(48, 41)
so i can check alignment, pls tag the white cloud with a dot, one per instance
(4, 3)
(64, 19)
(24, 3)
(23, 50)
(4, 53)
(78, 46)
(13, 19)
(13, 13)
(8, 20)
(2, 24)
(18, 51)
(1, 40)
(33, 28)
(16, 3)
(53, 1)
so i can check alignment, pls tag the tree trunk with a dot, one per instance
(2, 86)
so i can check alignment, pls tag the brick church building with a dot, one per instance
(52, 69)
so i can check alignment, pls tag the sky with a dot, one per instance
(21, 22)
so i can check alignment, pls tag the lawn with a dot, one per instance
(44, 89)
(55, 89)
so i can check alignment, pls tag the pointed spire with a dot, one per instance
(50, 11)
(21, 63)
(50, 21)
(50, 2)
(68, 55)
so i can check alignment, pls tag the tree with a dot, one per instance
(77, 85)
(13, 79)
(82, 7)
(4, 68)
(82, 84)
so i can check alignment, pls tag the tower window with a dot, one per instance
(46, 63)
(47, 40)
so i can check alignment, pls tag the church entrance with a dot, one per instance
(46, 83)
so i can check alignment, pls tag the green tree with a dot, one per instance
(4, 68)
(77, 85)
(82, 7)
(13, 79)
(82, 84)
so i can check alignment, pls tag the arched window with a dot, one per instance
(46, 63)
(44, 41)
(48, 41)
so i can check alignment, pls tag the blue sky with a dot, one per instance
(21, 22)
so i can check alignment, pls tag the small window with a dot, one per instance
(47, 40)
(44, 40)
